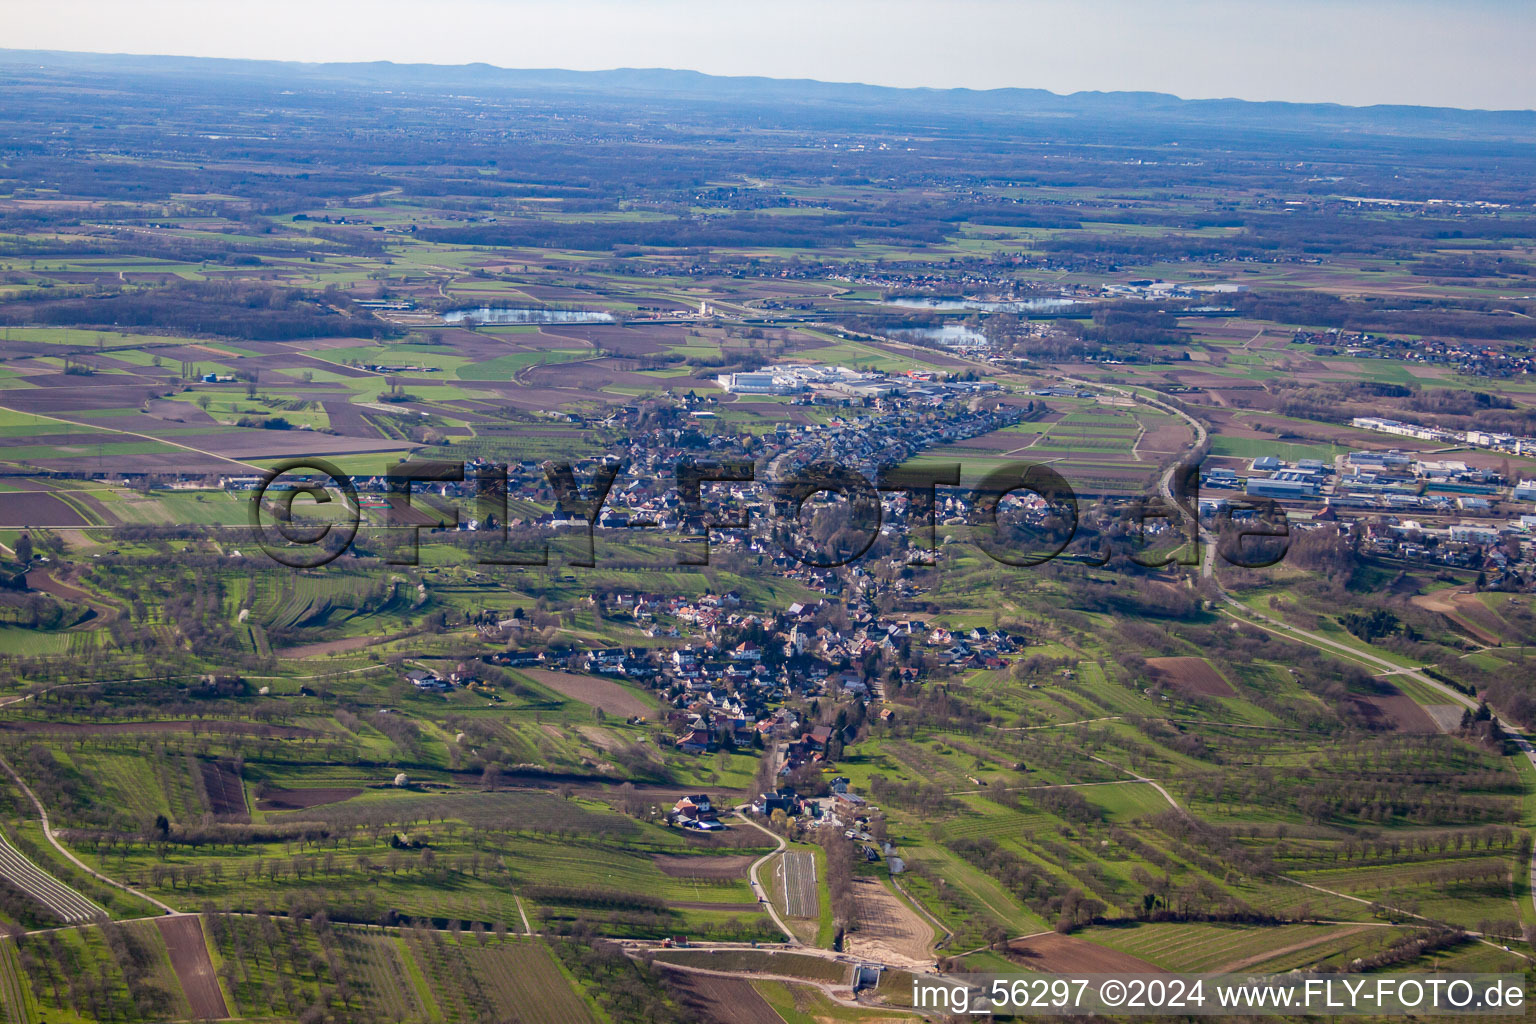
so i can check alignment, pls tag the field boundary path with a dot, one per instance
(67, 904)
(1137, 777)
(1479, 936)
(146, 437)
(757, 887)
(1284, 629)
(1418, 675)
(523, 913)
(939, 929)
(42, 814)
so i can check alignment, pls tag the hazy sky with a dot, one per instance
(1467, 53)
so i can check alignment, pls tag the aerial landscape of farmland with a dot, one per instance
(634, 546)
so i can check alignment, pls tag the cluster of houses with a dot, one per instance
(728, 686)
(841, 809)
(884, 424)
(429, 681)
(1463, 356)
(696, 812)
(798, 379)
(1501, 551)
(1505, 552)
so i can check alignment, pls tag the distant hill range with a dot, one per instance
(695, 88)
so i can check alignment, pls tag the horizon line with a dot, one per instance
(995, 90)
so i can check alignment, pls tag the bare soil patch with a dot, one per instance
(760, 962)
(303, 799)
(76, 439)
(256, 443)
(1165, 437)
(1446, 716)
(168, 462)
(1192, 675)
(721, 1000)
(194, 968)
(712, 868)
(226, 793)
(348, 419)
(1465, 611)
(178, 412)
(24, 508)
(592, 690)
(49, 400)
(534, 399)
(593, 374)
(317, 650)
(40, 580)
(1066, 954)
(731, 908)
(889, 929)
(71, 381)
(96, 507)
(1397, 709)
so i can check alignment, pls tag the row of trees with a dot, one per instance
(235, 309)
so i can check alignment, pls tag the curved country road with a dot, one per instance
(1284, 629)
(757, 888)
(42, 814)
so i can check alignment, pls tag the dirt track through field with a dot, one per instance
(1295, 947)
(194, 968)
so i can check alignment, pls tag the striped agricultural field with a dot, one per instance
(66, 904)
